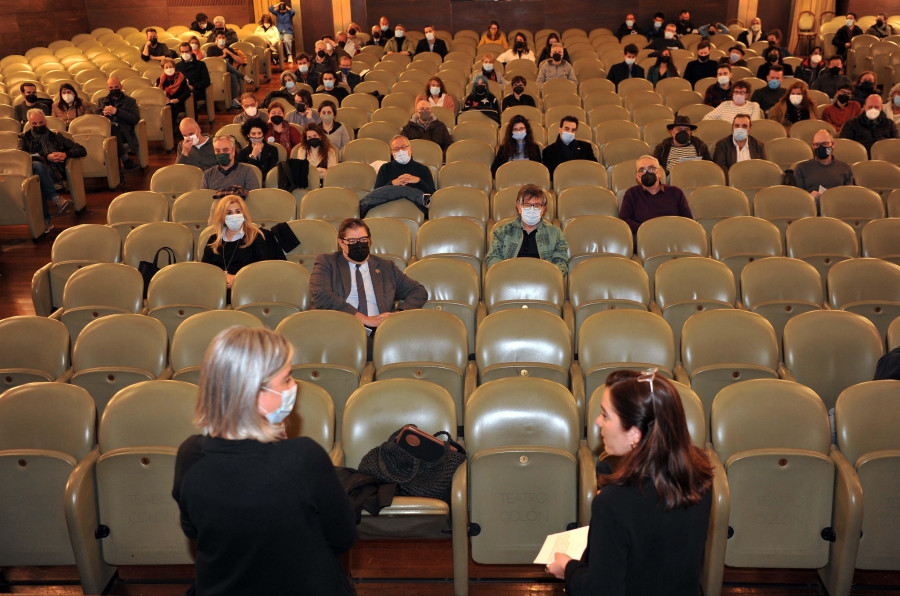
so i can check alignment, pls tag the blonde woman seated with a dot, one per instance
(237, 242)
(794, 106)
(316, 148)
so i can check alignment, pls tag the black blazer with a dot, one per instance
(555, 154)
(440, 47)
(619, 72)
(725, 154)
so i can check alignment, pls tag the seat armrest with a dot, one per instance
(459, 514)
(846, 521)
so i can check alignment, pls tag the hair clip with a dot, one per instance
(647, 376)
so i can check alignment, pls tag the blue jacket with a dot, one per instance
(283, 21)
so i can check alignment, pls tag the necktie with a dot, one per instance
(363, 307)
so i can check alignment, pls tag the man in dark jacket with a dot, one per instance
(844, 36)
(123, 114)
(425, 126)
(682, 145)
(870, 126)
(49, 151)
(195, 71)
(400, 178)
(431, 43)
(153, 49)
(565, 147)
(739, 145)
(626, 69)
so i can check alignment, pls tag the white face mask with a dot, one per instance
(629, 61)
(288, 399)
(724, 80)
(815, 58)
(850, 22)
(252, 111)
(220, 43)
(796, 99)
(435, 90)
(629, 23)
(531, 216)
(754, 28)
(170, 72)
(399, 33)
(669, 35)
(194, 139)
(429, 36)
(186, 56)
(68, 98)
(739, 100)
(872, 113)
(402, 157)
(195, 46)
(234, 222)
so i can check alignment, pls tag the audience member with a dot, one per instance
(794, 106)
(519, 50)
(881, 28)
(529, 235)
(774, 38)
(774, 59)
(316, 148)
(812, 66)
(346, 75)
(627, 69)
(288, 91)
(233, 59)
(740, 145)
(400, 178)
(423, 125)
(735, 56)
(431, 43)
(752, 35)
(681, 145)
(258, 153)
(31, 101)
(250, 110)
(384, 27)
(70, 106)
(720, 90)
(377, 37)
(195, 149)
(738, 104)
(656, 29)
(330, 86)
(684, 25)
(482, 99)
(49, 152)
(892, 107)
(871, 126)
(304, 112)
(829, 81)
(518, 97)
(177, 89)
(488, 71)
(321, 61)
(664, 68)
(552, 40)
(436, 94)
(123, 114)
(304, 74)
(842, 110)
(153, 49)
(399, 44)
(284, 22)
(702, 67)
(650, 197)
(556, 67)
(823, 171)
(228, 175)
(494, 36)
(201, 24)
(195, 71)
(196, 50)
(844, 35)
(267, 30)
(627, 28)
(769, 95)
(219, 27)
(566, 147)
(865, 86)
(518, 143)
(280, 130)
(668, 40)
(337, 132)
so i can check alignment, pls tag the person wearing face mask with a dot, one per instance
(400, 178)
(881, 28)
(769, 95)
(529, 235)
(194, 43)
(494, 36)
(871, 126)
(702, 67)
(518, 143)
(246, 491)
(384, 29)
(831, 79)
(866, 85)
(287, 91)
(436, 94)
(201, 24)
(518, 50)
(259, 153)
(794, 106)
(176, 87)
(552, 40)
(738, 104)
(663, 68)
(842, 109)
(740, 145)
(482, 99)
(195, 149)
(656, 26)
(123, 114)
(269, 32)
(423, 125)
(347, 76)
(330, 86)
(557, 67)
(720, 90)
(70, 106)
(684, 25)
(233, 59)
(668, 40)
(735, 57)
(237, 242)
(154, 49)
(354, 281)
(250, 110)
(628, 68)
(322, 62)
(682, 145)
(844, 35)
(892, 107)
(752, 35)
(566, 147)
(304, 74)
(650, 198)
(195, 71)
(629, 27)
(774, 38)
(377, 37)
(31, 101)
(316, 148)
(228, 174)
(399, 44)
(304, 112)
(489, 71)
(219, 27)
(279, 130)
(337, 132)
(823, 170)
(774, 59)
(284, 23)
(431, 43)
(49, 151)
(518, 97)
(811, 67)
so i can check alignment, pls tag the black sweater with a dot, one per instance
(635, 547)
(268, 518)
(232, 257)
(393, 169)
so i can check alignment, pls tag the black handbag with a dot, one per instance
(421, 465)
(293, 174)
(148, 269)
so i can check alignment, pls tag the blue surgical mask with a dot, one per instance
(328, 84)
(289, 85)
(897, 101)
(519, 135)
(288, 399)
(774, 84)
(740, 134)
(567, 137)
(402, 157)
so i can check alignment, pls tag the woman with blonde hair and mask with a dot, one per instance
(268, 513)
(237, 242)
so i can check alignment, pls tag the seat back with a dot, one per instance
(517, 173)
(271, 290)
(688, 175)
(522, 442)
(821, 242)
(869, 287)
(784, 455)
(457, 237)
(779, 288)
(453, 286)
(606, 283)
(712, 204)
(176, 179)
(830, 350)
(737, 241)
(45, 430)
(333, 205)
(98, 290)
(783, 205)
(129, 210)
(391, 239)
(663, 238)
(524, 283)
(271, 206)
(754, 174)
(576, 201)
(523, 342)
(854, 205)
(182, 289)
(74, 248)
(32, 349)
(312, 416)
(590, 236)
(192, 338)
(144, 241)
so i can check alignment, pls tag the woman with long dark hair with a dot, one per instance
(649, 520)
(518, 143)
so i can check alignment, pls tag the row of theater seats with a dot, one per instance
(783, 495)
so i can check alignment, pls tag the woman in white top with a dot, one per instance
(268, 31)
(518, 50)
(316, 147)
(436, 94)
(892, 105)
(738, 104)
(337, 132)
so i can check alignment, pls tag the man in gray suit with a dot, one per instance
(739, 146)
(353, 281)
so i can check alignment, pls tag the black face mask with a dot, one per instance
(320, 53)
(31, 98)
(822, 152)
(842, 98)
(480, 89)
(376, 36)
(648, 179)
(351, 32)
(39, 130)
(879, 23)
(773, 58)
(557, 57)
(703, 58)
(682, 137)
(867, 86)
(520, 45)
(518, 89)
(116, 94)
(276, 119)
(664, 60)
(835, 70)
(314, 142)
(358, 252)
(301, 107)
(153, 41)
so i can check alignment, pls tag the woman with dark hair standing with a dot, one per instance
(649, 520)
(268, 513)
(518, 143)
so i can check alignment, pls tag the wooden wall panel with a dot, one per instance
(163, 13)
(24, 25)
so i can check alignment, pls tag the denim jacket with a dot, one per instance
(551, 243)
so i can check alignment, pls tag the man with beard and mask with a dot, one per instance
(423, 125)
(871, 126)
(153, 49)
(400, 178)
(830, 80)
(32, 101)
(49, 151)
(556, 67)
(361, 284)
(881, 28)
(842, 110)
(123, 114)
(769, 95)
(681, 146)
(196, 149)
(529, 235)
(740, 145)
(566, 147)
(702, 67)
(229, 175)
(431, 43)
(650, 197)
(823, 171)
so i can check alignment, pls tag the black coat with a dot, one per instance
(440, 47)
(556, 153)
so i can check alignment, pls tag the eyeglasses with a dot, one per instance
(647, 376)
(650, 169)
(352, 241)
(533, 205)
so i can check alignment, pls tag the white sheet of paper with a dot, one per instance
(822, 189)
(572, 543)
